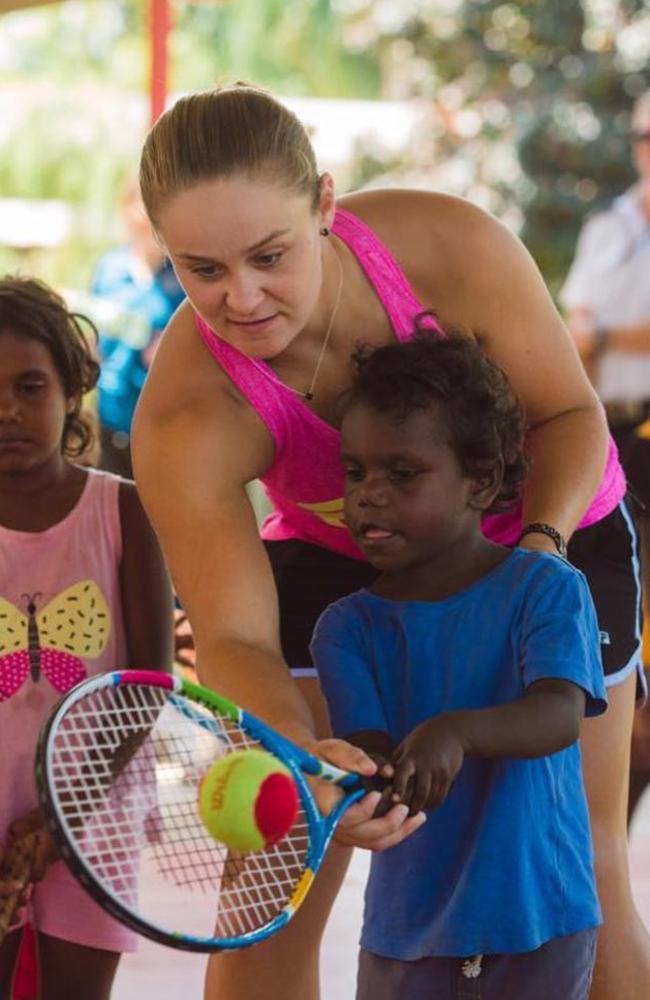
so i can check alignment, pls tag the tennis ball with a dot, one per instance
(248, 800)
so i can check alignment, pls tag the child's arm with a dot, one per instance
(147, 599)
(546, 719)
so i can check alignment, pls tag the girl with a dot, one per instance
(83, 589)
(281, 279)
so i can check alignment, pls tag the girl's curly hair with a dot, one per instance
(30, 308)
(482, 418)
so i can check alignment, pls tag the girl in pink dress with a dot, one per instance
(83, 589)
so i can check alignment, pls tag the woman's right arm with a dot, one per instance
(196, 444)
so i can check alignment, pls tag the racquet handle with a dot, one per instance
(16, 865)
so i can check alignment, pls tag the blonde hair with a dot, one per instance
(240, 129)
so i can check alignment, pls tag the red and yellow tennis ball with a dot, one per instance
(248, 800)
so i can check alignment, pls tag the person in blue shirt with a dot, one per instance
(465, 670)
(140, 288)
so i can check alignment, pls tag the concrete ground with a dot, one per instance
(171, 975)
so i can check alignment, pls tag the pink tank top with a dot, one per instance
(60, 621)
(305, 481)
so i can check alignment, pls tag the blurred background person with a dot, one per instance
(607, 298)
(135, 292)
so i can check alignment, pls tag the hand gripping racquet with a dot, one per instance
(16, 865)
(118, 767)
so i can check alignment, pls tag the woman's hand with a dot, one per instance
(426, 764)
(359, 826)
(348, 758)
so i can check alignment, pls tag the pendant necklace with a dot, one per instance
(309, 394)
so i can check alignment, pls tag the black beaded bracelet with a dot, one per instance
(541, 528)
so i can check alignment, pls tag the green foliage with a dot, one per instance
(77, 135)
(293, 46)
(550, 79)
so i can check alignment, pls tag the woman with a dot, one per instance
(281, 283)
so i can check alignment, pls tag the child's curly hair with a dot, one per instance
(30, 308)
(482, 418)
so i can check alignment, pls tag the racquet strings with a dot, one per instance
(124, 769)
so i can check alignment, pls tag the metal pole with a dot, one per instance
(159, 26)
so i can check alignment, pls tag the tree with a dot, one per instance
(532, 99)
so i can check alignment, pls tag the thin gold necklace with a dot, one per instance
(330, 326)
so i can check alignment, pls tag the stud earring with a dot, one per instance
(324, 231)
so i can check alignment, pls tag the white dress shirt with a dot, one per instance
(610, 275)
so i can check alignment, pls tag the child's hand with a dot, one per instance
(46, 853)
(8, 885)
(426, 763)
(382, 782)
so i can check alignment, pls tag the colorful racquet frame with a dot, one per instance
(118, 767)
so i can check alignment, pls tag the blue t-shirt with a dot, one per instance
(505, 863)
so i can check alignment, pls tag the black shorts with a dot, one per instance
(607, 553)
(636, 462)
(309, 577)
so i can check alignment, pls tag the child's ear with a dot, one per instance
(70, 404)
(485, 485)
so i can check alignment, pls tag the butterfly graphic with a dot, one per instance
(73, 624)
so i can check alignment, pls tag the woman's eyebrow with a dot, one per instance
(200, 258)
(267, 239)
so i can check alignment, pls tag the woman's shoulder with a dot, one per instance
(184, 370)
(438, 239)
(190, 409)
(396, 211)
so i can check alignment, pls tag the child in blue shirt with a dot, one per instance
(465, 670)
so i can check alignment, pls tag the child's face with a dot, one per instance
(33, 404)
(407, 502)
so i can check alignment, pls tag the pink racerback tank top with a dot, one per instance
(305, 481)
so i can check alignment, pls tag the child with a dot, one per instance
(83, 589)
(465, 669)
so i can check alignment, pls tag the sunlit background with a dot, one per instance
(522, 107)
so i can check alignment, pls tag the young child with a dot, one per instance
(83, 589)
(465, 669)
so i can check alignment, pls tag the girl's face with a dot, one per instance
(248, 254)
(407, 502)
(33, 404)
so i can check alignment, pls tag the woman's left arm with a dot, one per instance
(512, 314)
(147, 599)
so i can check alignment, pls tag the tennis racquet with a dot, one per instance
(17, 866)
(118, 767)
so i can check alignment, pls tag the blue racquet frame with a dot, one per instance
(88, 709)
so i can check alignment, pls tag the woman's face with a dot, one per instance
(248, 254)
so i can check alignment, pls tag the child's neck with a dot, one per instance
(437, 581)
(38, 498)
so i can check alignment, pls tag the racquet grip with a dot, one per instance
(16, 865)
